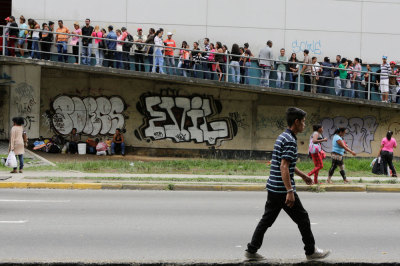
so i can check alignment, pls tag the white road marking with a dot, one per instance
(35, 201)
(13, 222)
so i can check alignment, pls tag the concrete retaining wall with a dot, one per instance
(180, 117)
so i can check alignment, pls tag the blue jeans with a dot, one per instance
(235, 68)
(118, 58)
(159, 61)
(280, 81)
(342, 91)
(62, 49)
(170, 63)
(121, 145)
(21, 161)
(35, 48)
(265, 71)
(247, 65)
(86, 54)
(196, 70)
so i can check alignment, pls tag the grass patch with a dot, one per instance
(355, 167)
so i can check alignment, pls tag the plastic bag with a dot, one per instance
(11, 160)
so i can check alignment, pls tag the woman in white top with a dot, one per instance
(158, 48)
(316, 152)
(118, 53)
(35, 41)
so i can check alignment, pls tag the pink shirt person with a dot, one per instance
(388, 145)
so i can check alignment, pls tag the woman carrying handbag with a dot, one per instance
(315, 149)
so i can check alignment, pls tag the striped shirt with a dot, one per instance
(285, 148)
(385, 71)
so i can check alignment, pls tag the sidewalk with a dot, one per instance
(76, 180)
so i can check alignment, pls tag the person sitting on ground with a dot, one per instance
(118, 142)
(91, 145)
(74, 138)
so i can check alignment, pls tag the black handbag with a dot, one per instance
(377, 169)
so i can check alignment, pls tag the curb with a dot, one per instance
(195, 187)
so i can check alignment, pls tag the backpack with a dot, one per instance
(52, 148)
(129, 44)
(377, 167)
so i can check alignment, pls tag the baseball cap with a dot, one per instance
(7, 18)
(169, 33)
(384, 57)
(139, 29)
(393, 62)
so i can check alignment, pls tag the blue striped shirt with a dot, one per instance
(285, 148)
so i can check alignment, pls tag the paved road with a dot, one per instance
(67, 225)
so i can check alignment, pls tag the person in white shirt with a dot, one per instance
(139, 50)
(158, 48)
(315, 70)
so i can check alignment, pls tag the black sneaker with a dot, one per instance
(253, 256)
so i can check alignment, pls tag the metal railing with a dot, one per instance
(202, 64)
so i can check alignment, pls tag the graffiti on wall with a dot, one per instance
(24, 101)
(313, 46)
(184, 119)
(360, 132)
(90, 116)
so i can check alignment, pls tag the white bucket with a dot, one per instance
(81, 148)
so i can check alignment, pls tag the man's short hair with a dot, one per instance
(246, 45)
(123, 28)
(269, 42)
(87, 19)
(110, 27)
(283, 49)
(207, 39)
(294, 113)
(339, 56)
(314, 57)
(306, 51)
(60, 21)
(51, 23)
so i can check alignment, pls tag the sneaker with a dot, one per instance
(318, 254)
(253, 256)
(20, 171)
(29, 57)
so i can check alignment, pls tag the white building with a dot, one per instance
(352, 28)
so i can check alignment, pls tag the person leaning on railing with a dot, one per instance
(139, 50)
(293, 68)
(12, 35)
(61, 40)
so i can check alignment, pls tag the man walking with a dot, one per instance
(266, 63)
(169, 54)
(282, 190)
(139, 50)
(87, 43)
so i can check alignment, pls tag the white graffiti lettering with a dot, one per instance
(100, 116)
(183, 119)
(359, 135)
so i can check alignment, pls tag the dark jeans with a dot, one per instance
(110, 58)
(21, 161)
(75, 51)
(275, 203)
(387, 158)
(125, 58)
(139, 61)
(324, 83)
(73, 147)
(292, 79)
(307, 82)
(46, 50)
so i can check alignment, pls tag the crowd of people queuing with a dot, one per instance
(115, 48)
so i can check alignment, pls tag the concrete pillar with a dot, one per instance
(24, 96)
